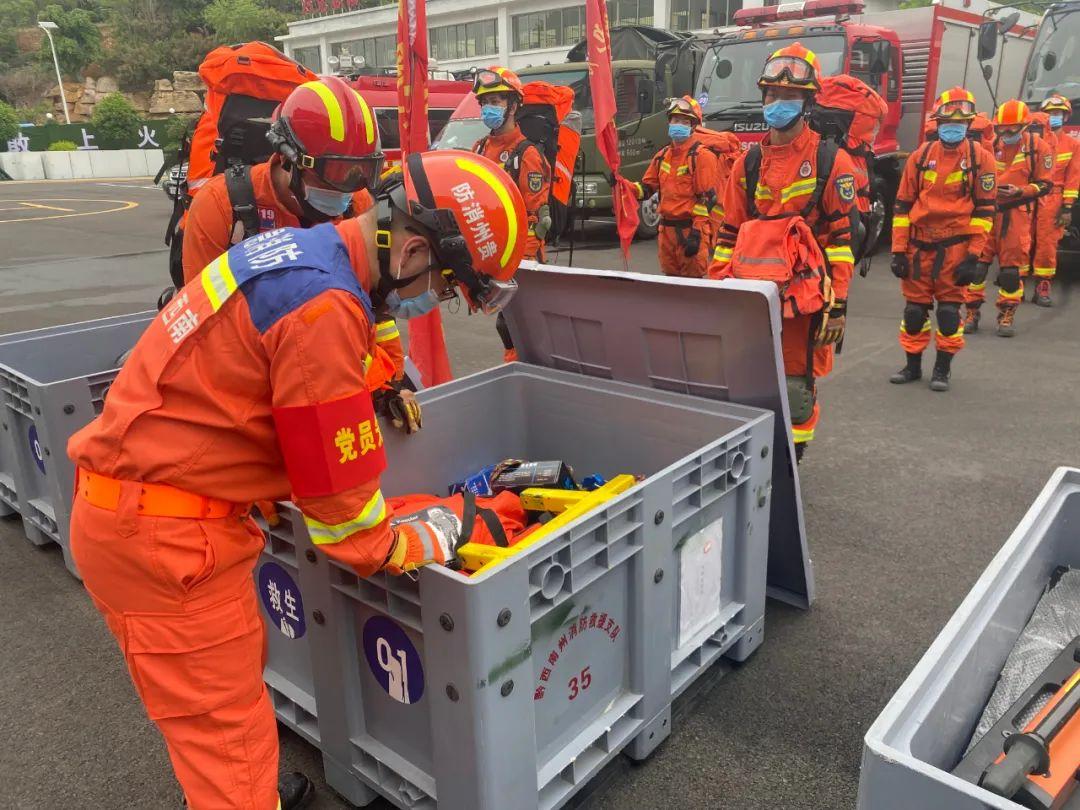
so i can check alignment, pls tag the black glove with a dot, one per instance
(692, 244)
(966, 272)
(901, 265)
(982, 269)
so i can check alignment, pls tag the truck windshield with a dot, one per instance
(730, 71)
(1054, 66)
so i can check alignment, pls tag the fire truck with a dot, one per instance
(909, 56)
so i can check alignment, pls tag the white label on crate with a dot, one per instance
(700, 580)
(393, 659)
(281, 600)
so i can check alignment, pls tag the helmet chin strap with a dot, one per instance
(387, 282)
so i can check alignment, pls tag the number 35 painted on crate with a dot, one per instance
(393, 659)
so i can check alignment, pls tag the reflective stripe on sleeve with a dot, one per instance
(218, 282)
(722, 254)
(986, 224)
(373, 513)
(840, 254)
(700, 210)
(387, 330)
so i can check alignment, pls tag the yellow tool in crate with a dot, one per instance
(569, 505)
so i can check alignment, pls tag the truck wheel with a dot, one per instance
(880, 227)
(648, 218)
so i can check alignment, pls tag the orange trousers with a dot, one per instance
(671, 242)
(1010, 244)
(795, 339)
(925, 285)
(178, 595)
(1047, 235)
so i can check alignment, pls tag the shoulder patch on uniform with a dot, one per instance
(987, 181)
(845, 187)
(1048, 161)
(536, 181)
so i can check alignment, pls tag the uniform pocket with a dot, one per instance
(186, 664)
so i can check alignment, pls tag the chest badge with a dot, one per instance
(806, 169)
(504, 156)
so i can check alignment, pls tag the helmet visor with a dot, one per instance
(488, 81)
(960, 109)
(788, 68)
(346, 173)
(681, 106)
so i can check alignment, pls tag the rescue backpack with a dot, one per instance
(244, 85)
(725, 145)
(550, 124)
(782, 248)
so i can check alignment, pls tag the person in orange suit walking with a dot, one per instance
(1054, 211)
(251, 385)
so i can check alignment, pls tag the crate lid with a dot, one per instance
(719, 340)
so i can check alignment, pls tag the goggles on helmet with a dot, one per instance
(681, 106)
(791, 69)
(959, 109)
(344, 173)
(488, 81)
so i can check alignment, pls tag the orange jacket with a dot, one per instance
(1028, 164)
(250, 386)
(533, 177)
(1066, 151)
(787, 178)
(687, 176)
(946, 192)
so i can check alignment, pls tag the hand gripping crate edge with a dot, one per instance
(452, 739)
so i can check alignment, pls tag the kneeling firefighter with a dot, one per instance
(251, 385)
(788, 213)
(942, 219)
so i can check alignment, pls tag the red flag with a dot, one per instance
(427, 345)
(601, 84)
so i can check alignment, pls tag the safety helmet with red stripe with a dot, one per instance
(473, 214)
(687, 105)
(497, 79)
(792, 66)
(1056, 102)
(1012, 114)
(955, 104)
(327, 128)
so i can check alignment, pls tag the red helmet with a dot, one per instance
(792, 66)
(473, 213)
(327, 128)
(1012, 113)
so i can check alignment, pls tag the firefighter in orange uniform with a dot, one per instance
(1023, 168)
(942, 219)
(500, 94)
(787, 175)
(250, 385)
(329, 157)
(686, 176)
(1054, 211)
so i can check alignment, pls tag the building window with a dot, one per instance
(310, 57)
(377, 51)
(691, 15)
(630, 12)
(464, 40)
(549, 29)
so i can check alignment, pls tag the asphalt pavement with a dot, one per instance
(908, 494)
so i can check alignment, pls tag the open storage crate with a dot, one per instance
(921, 735)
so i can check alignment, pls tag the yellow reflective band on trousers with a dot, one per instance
(986, 224)
(373, 513)
(1070, 195)
(722, 254)
(700, 211)
(1045, 272)
(387, 330)
(1018, 295)
(218, 282)
(977, 287)
(925, 327)
(800, 436)
(840, 254)
(958, 333)
(901, 222)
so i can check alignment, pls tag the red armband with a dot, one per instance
(332, 446)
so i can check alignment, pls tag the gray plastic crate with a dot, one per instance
(922, 733)
(52, 383)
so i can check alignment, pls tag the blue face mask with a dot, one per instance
(952, 134)
(331, 203)
(407, 308)
(678, 132)
(1056, 120)
(781, 114)
(492, 115)
(1012, 140)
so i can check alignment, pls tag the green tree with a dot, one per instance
(62, 146)
(9, 123)
(115, 120)
(243, 20)
(77, 38)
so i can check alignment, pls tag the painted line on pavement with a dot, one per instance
(119, 205)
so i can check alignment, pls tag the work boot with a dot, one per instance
(295, 791)
(939, 380)
(1005, 321)
(909, 373)
(971, 320)
(800, 451)
(1042, 293)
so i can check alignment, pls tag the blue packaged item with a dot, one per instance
(478, 484)
(592, 482)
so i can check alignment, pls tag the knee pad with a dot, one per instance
(1009, 279)
(948, 319)
(915, 316)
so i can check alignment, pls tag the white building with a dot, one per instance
(515, 33)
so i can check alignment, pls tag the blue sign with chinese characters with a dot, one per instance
(281, 600)
(393, 659)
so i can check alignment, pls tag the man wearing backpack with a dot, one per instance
(1054, 211)
(795, 190)
(1024, 165)
(251, 385)
(942, 219)
(500, 94)
(686, 175)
